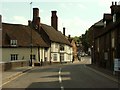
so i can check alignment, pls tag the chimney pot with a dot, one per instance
(69, 36)
(64, 31)
(115, 3)
(112, 3)
(0, 21)
(54, 13)
(29, 22)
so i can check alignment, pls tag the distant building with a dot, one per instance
(74, 47)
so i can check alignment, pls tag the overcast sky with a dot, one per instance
(75, 15)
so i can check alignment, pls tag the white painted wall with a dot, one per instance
(25, 52)
(68, 53)
(55, 49)
(22, 52)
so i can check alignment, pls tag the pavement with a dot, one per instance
(115, 75)
(8, 75)
(105, 72)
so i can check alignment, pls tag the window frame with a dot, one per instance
(114, 17)
(13, 42)
(14, 57)
(33, 57)
(55, 57)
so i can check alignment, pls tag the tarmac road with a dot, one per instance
(75, 75)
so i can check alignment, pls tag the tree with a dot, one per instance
(85, 41)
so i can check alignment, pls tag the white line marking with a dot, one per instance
(59, 71)
(62, 88)
(60, 79)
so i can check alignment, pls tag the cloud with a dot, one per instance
(81, 6)
(15, 20)
(75, 26)
(20, 20)
(104, 2)
(74, 5)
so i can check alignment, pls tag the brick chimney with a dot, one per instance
(0, 21)
(36, 18)
(29, 22)
(69, 36)
(64, 31)
(54, 20)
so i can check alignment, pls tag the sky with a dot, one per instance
(76, 16)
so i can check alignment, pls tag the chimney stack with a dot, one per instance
(54, 20)
(64, 31)
(0, 21)
(29, 22)
(36, 18)
(35, 13)
(69, 36)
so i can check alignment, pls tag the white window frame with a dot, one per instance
(14, 57)
(13, 42)
(113, 39)
(114, 18)
(55, 57)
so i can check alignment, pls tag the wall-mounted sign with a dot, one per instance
(116, 64)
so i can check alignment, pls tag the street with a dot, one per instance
(71, 75)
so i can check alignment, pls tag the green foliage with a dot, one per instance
(76, 38)
(85, 41)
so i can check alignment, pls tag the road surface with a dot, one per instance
(72, 75)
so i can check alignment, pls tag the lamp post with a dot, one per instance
(31, 63)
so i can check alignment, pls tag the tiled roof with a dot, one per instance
(99, 23)
(22, 34)
(54, 35)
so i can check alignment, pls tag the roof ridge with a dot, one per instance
(14, 24)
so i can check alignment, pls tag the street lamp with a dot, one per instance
(31, 38)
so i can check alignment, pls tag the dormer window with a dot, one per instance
(13, 42)
(114, 18)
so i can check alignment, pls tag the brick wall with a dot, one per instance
(13, 64)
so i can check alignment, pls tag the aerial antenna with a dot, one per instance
(30, 9)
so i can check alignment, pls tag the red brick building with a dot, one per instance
(105, 39)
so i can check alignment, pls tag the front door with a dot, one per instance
(61, 57)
